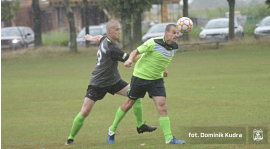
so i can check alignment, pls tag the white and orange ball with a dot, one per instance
(184, 25)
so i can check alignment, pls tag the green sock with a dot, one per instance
(77, 124)
(118, 117)
(138, 112)
(166, 127)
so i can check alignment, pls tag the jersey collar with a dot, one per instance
(109, 39)
(165, 45)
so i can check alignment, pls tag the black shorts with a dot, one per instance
(138, 88)
(97, 93)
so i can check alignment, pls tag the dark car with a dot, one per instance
(156, 31)
(17, 37)
(263, 29)
(218, 29)
(94, 31)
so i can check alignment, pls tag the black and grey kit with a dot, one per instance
(105, 76)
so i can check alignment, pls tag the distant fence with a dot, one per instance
(199, 43)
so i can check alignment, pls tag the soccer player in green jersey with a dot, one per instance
(148, 77)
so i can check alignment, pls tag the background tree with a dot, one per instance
(231, 18)
(185, 14)
(121, 9)
(9, 9)
(86, 19)
(129, 11)
(138, 7)
(267, 2)
(72, 29)
(126, 32)
(37, 23)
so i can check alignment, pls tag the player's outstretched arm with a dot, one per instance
(95, 39)
(137, 58)
(128, 63)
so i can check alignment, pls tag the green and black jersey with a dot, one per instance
(157, 55)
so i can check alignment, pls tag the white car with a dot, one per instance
(263, 29)
(14, 38)
(156, 31)
(218, 29)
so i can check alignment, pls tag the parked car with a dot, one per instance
(218, 29)
(94, 31)
(263, 29)
(156, 31)
(14, 38)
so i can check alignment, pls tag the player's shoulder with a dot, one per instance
(113, 47)
(106, 42)
(102, 39)
(160, 37)
(151, 41)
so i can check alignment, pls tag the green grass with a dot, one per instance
(43, 90)
(56, 38)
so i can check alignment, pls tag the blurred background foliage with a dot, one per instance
(255, 13)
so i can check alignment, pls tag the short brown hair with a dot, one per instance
(168, 27)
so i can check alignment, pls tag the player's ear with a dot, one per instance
(166, 32)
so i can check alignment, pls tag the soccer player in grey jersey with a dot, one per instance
(106, 78)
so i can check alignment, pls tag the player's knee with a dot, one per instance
(163, 109)
(129, 106)
(85, 112)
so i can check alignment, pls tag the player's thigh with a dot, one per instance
(157, 88)
(137, 88)
(124, 91)
(121, 88)
(96, 93)
(160, 101)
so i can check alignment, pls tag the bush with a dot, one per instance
(56, 38)
(195, 32)
(249, 29)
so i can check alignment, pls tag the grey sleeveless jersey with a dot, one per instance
(106, 72)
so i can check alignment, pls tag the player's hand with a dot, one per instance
(87, 37)
(128, 63)
(165, 74)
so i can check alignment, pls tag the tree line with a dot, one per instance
(128, 11)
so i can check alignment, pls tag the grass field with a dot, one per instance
(43, 90)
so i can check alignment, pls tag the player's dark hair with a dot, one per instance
(168, 27)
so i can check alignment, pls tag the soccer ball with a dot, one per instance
(184, 25)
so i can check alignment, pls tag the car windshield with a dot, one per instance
(265, 22)
(217, 24)
(10, 32)
(157, 28)
(93, 32)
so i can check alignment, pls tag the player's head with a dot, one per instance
(113, 30)
(171, 33)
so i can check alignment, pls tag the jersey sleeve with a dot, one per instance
(117, 54)
(146, 46)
